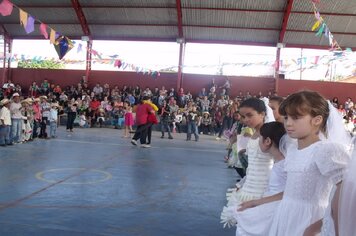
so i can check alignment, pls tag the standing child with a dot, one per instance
(129, 120)
(257, 219)
(27, 114)
(313, 166)
(192, 120)
(253, 186)
(53, 118)
(5, 123)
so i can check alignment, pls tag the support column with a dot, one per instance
(88, 60)
(7, 59)
(276, 70)
(180, 65)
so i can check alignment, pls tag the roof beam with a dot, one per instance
(179, 16)
(189, 8)
(81, 17)
(197, 26)
(285, 21)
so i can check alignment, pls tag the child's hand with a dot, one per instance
(248, 204)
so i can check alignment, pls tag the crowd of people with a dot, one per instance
(211, 112)
(290, 154)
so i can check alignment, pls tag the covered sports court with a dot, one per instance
(92, 181)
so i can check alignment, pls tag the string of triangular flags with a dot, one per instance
(117, 62)
(61, 43)
(322, 28)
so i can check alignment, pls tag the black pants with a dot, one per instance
(43, 133)
(141, 133)
(36, 124)
(70, 120)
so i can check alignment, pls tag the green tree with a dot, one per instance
(41, 64)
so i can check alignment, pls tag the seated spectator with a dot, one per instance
(98, 90)
(172, 94)
(204, 104)
(83, 121)
(202, 93)
(147, 92)
(44, 87)
(33, 90)
(206, 124)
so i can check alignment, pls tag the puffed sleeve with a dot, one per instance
(331, 160)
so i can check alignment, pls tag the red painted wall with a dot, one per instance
(194, 83)
(191, 82)
(327, 89)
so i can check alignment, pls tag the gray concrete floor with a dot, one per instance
(94, 182)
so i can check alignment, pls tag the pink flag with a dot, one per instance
(6, 8)
(30, 26)
(43, 29)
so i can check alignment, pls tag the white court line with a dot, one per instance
(125, 145)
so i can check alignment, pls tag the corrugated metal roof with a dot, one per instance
(241, 35)
(208, 20)
(305, 38)
(47, 15)
(335, 23)
(339, 6)
(130, 16)
(112, 31)
(68, 29)
(245, 4)
(232, 18)
(42, 2)
(133, 3)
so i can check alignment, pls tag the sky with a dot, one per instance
(199, 58)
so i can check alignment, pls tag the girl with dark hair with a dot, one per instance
(257, 219)
(254, 184)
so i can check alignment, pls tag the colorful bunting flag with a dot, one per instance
(315, 26)
(63, 45)
(324, 29)
(30, 26)
(23, 17)
(6, 8)
(52, 37)
(43, 29)
(321, 30)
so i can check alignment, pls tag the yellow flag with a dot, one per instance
(23, 17)
(315, 26)
(52, 37)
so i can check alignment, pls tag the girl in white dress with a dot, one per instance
(313, 166)
(341, 212)
(258, 218)
(255, 183)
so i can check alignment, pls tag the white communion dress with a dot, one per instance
(311, 174)
(255, 182)
(257, 221)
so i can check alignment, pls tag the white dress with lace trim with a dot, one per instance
(311, 173)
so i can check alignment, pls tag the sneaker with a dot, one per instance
(170, 137)
(134, 142)
(162, 136)
(145, 146)
(217, 138)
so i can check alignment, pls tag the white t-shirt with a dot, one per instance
(5, 117)
(15, 110)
